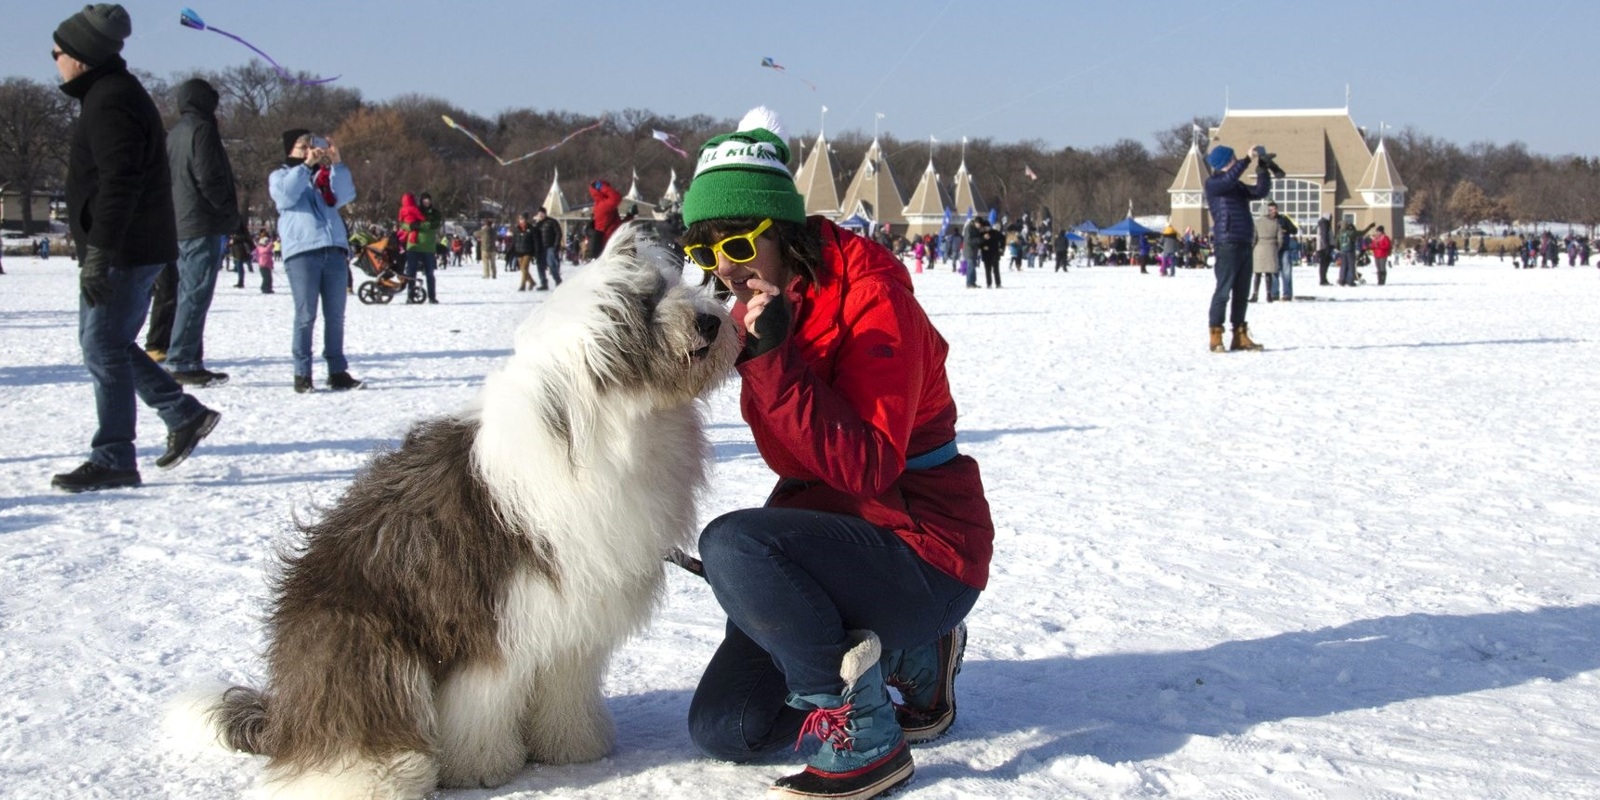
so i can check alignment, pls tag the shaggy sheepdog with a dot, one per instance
(451, 617)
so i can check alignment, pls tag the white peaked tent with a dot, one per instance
(925, 213)
(555, 203)
(964, 196)
(672, 196)
(633, 198)
(874, 193)
(816, 181)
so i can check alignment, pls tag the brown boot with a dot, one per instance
(1216, 340)
(1241, 339)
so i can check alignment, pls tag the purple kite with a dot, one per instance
(192, 20)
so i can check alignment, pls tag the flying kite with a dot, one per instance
(190, 19)
(670, 141)
(770, 64)
(509, 161)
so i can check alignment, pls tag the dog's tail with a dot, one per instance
(241, 720)
(234, 718)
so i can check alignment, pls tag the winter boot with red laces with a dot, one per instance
(926, 679)
(863, 753)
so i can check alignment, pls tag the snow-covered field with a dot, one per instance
(1362, 564)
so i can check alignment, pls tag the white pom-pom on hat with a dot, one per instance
(764, 118)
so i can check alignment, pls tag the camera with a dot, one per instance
(1266, 159)
(318, 143)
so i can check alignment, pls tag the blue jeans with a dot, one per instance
(1233, 280)
(792, 582)
(318, 275)
(417, 260)
(1347, 268)
(973, 265)
(199, 260)
(552, 263)
(121, 371)
(1285, 276)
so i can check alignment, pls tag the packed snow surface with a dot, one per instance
(1364, 563)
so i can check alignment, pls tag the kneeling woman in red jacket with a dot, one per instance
(857, 573)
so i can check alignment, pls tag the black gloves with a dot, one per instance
(772, 327)
(94, 279)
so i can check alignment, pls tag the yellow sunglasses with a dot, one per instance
(739, 248)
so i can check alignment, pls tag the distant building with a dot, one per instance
(11, 210)
(1329, 170)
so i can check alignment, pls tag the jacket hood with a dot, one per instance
(408, 200)
(864, 258)
(196, 96)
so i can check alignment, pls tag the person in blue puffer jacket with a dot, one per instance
(1233, 234)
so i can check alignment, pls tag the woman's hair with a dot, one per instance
(799, 245)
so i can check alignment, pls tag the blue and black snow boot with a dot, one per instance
(926, 679)
(863, 753)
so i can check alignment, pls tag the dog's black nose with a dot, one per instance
(708, 325)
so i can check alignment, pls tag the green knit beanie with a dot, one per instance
(745, 174)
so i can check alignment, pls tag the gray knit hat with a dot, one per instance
(94, 35)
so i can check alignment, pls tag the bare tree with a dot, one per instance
(35, 136)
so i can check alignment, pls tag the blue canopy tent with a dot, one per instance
(1128, 227)
(1073, 237)
(856, 221)
(1088, 226)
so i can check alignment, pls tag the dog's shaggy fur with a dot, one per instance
(451, 617)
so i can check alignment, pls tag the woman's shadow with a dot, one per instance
(1139, 706)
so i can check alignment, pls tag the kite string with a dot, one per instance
(897, 63)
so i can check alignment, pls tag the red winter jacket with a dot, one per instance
(606, 200)
(859, 386)
(410, 214)
(1381, 246)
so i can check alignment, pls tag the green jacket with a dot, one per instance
(427, 231)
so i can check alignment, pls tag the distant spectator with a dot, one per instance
(207, 211)
(419, 227)
(551, 240)
(309, 189)
(606, 219)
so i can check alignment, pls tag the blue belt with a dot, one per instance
(933, 458)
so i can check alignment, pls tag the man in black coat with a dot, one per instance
(119, 207)
(207, 211)
(990, 242)
(551, 241)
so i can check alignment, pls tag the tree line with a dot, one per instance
(402, 145)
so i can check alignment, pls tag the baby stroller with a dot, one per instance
(373, 258)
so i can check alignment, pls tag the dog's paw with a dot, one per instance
(589, 740)
(458, 774)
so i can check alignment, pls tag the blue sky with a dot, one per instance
(1067, 73)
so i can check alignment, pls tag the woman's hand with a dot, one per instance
(766, 318)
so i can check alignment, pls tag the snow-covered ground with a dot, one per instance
(1362, 564)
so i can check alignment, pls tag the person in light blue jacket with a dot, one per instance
(309, 189)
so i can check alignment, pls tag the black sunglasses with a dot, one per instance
(55, 54)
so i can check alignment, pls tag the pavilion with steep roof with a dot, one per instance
(1329, 170)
